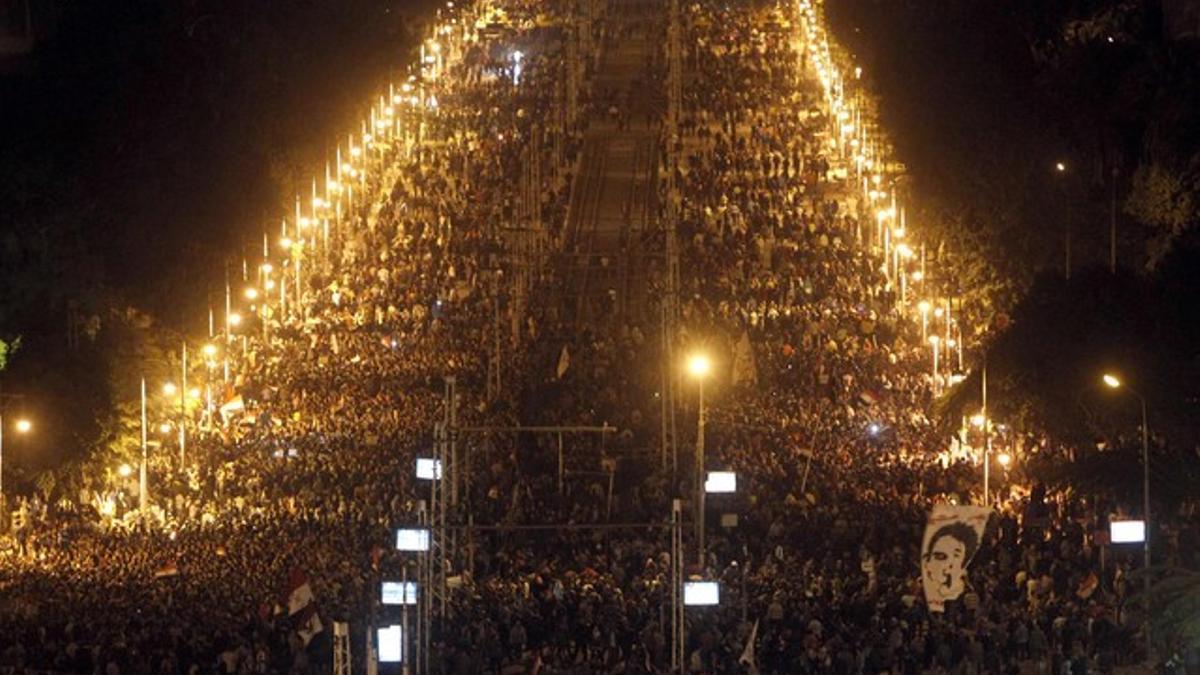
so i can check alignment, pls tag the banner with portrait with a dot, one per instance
(952, 536)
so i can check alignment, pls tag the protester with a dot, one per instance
(821, 406)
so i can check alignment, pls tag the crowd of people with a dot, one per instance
(821, 405)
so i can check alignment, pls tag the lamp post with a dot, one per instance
(22, 426)
(1114, 382)
(699, 366)
(1061, 168)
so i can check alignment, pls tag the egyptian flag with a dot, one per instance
(302, 606)
(169, 569)
(1088, 586)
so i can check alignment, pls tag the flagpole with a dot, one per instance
(987, 442)
(142, 500)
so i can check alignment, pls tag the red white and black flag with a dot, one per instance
(302, 606)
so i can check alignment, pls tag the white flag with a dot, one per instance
(952, 536)
(564, 362)
(748, 657)
(745, 370)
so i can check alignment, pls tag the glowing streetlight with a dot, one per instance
(22, 426)
(235, 319)
(1060, 167)
(165, 428)
(924, 306)
(170, 389)
(699, 366)
(1113, 382)
(209, 350)
(1004, 459)
(124, 471)
(251, 293)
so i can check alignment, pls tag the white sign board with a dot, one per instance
(412, 540)
(701, 593)
(429, 468)
(1127, 531)
(391, 644)
(720, 481)
(399, 593)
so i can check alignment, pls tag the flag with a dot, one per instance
(745, 371)
(564, 362)
(748, 657)
(308, 623)
(952, 536)
(1088, 586)
(299, 593)
(235, 404)
(301, 606)
(170, 569)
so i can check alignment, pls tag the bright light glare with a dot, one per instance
(24, 426)
(701, 593)
(721, 482)
(124, 471)
(209, 350)
(391, 644)
(409, 539)
(170, 389)
(1127, 531)
(251, 293)
(429, 468)
(699, 365)
(1004, 458)
(1112, 381)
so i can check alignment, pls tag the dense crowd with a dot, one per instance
(821, 405)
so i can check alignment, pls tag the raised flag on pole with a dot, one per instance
(564, 362)
(748, 657)
(301, 606)
(235, 404)
(169, 569)
(308, 623)
(952, 536)
(745, 370)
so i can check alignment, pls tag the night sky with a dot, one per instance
(145, 144)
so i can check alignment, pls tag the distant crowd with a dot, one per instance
(820, 402)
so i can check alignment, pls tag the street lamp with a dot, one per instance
(699, 366)
(22, 426)
(1113, 382)
(1061, 169)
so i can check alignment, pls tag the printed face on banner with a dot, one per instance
(951, 539)
(945, 564)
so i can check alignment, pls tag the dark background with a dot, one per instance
(144, 143)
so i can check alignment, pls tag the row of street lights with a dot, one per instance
(851, 136)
